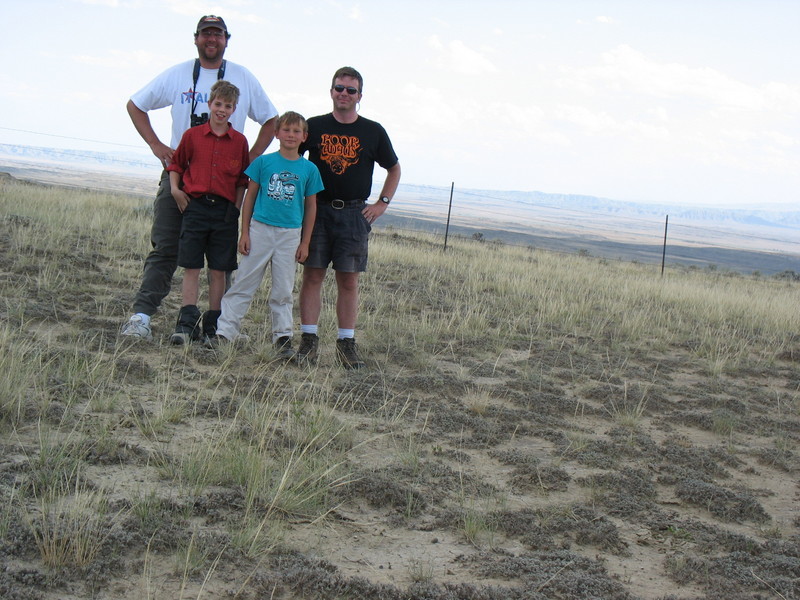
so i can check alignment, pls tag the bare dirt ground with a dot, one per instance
(546, 466)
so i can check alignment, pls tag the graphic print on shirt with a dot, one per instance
(281, 187)
(339, 151)
(190, 96)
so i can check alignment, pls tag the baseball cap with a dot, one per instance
(211, 21)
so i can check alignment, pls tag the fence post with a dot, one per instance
(664, 250)
(449, 208)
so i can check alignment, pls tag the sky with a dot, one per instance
(679, 102)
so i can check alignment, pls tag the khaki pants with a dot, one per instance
(269, 246)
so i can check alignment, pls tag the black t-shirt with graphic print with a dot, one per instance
(346, 153)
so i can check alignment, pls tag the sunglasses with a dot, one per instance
(350, 90)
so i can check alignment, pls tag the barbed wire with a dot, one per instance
(623, 218)
(68, 137)
(672, 261)
(566, 211)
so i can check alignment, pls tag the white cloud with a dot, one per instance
(781, 139)
(605, 20)
(118, 59)
(190, 7)
(553, 138)
(678, 110)
(457, 57)
(436, 114)
(355, 13)
(590, 122)
(659, 113)
(18, 89)
(112, 3)
(632, 71)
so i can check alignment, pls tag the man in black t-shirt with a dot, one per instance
(345, 147)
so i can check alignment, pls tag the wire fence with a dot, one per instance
(480, 216)
(485, 216)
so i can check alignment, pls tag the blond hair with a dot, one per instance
(224, 90)
(290, 118)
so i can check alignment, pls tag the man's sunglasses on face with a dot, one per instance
(350, 90)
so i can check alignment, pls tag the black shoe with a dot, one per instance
(187, 327)
(208, 334)
(210, 318)
(180, 338)
(348, 354)
(307, 352)
(283, 346)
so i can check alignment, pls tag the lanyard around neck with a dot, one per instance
(196, 76)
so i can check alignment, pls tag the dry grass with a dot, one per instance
(531, 425)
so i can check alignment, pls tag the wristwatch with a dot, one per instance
(385, 199)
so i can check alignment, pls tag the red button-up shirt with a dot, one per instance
(211, 164)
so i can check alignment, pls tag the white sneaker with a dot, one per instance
(137, 328)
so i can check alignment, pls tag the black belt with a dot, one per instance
(212, 198)
(340, 204)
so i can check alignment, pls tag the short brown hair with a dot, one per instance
(224, 90)
(290, 118)
(348, 72)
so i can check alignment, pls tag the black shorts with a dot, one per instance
(341, 237)
(210, 231)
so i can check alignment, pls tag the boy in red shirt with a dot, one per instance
(208, 183)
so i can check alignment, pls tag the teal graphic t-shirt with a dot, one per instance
(284, 185)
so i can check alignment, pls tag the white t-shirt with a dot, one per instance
(173, 88)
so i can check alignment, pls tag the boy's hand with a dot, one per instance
(244, 243)
(181, 199)
(302, 253)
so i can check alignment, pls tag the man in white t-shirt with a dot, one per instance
(185, 87)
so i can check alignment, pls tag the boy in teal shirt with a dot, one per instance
(278, 214)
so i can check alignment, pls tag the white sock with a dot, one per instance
(346, 333)
(308, 329)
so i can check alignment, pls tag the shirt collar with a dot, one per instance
(207, 129)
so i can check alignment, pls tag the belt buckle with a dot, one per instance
(337, 204)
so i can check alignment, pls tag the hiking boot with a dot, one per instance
(283, 346)
(209, 336)
(210, 318)
(136, 328)
(307, 352)
(187, 327)
(348, 354)
(180, 338)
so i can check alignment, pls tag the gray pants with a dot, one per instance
(160, 264)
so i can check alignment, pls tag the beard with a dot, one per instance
(211, 53)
